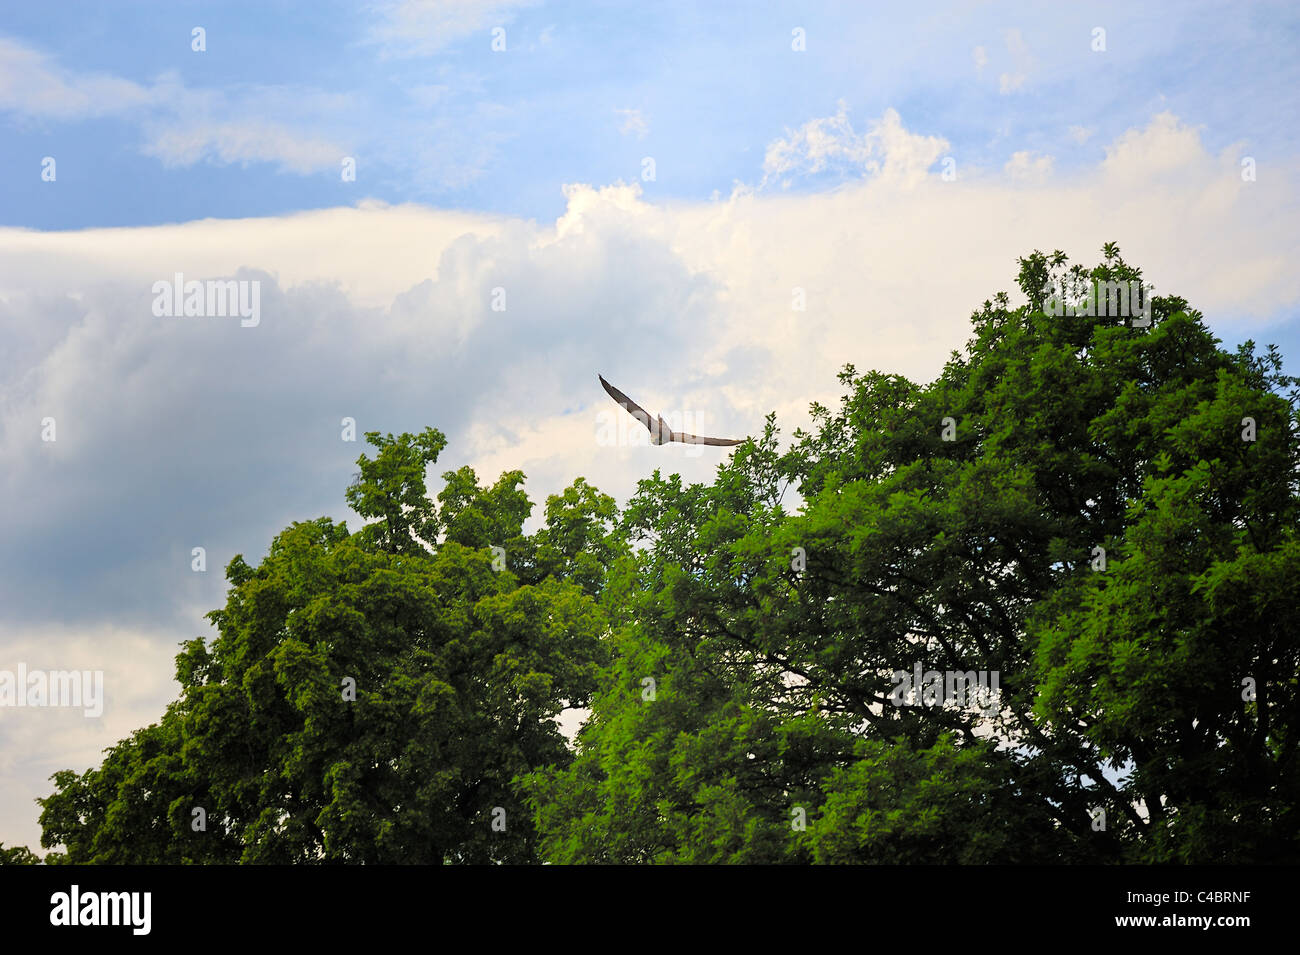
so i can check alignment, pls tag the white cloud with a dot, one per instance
(633, 124)
(423, 27)
(1024, 165)
(237, 142)
(1022, 63)
(1165, 149)
(180, 125)
(886, 149)
(1080, 134)
(383, 313)
(33, 84)
(981, 58)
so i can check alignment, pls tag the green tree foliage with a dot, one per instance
(771, 736)
(459, 669)
(18, 855)
(738, 642)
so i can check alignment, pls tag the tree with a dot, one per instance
(958, 525)
(18, 855)
(1096, 518)
(371, 696)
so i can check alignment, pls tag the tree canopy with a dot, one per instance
(370, 697)
(1098, 515)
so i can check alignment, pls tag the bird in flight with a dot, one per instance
(660, 433)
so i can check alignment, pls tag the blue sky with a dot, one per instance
(816, 176)
(584, 91)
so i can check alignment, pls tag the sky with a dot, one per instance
(458, 212)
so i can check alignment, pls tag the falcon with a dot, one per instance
(660, 433)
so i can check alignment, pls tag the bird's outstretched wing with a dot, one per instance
(630, 406)
(660, 433)
(685, 438)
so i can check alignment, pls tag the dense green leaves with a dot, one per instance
(369, 699)
(18, 855)
(1122, 733)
